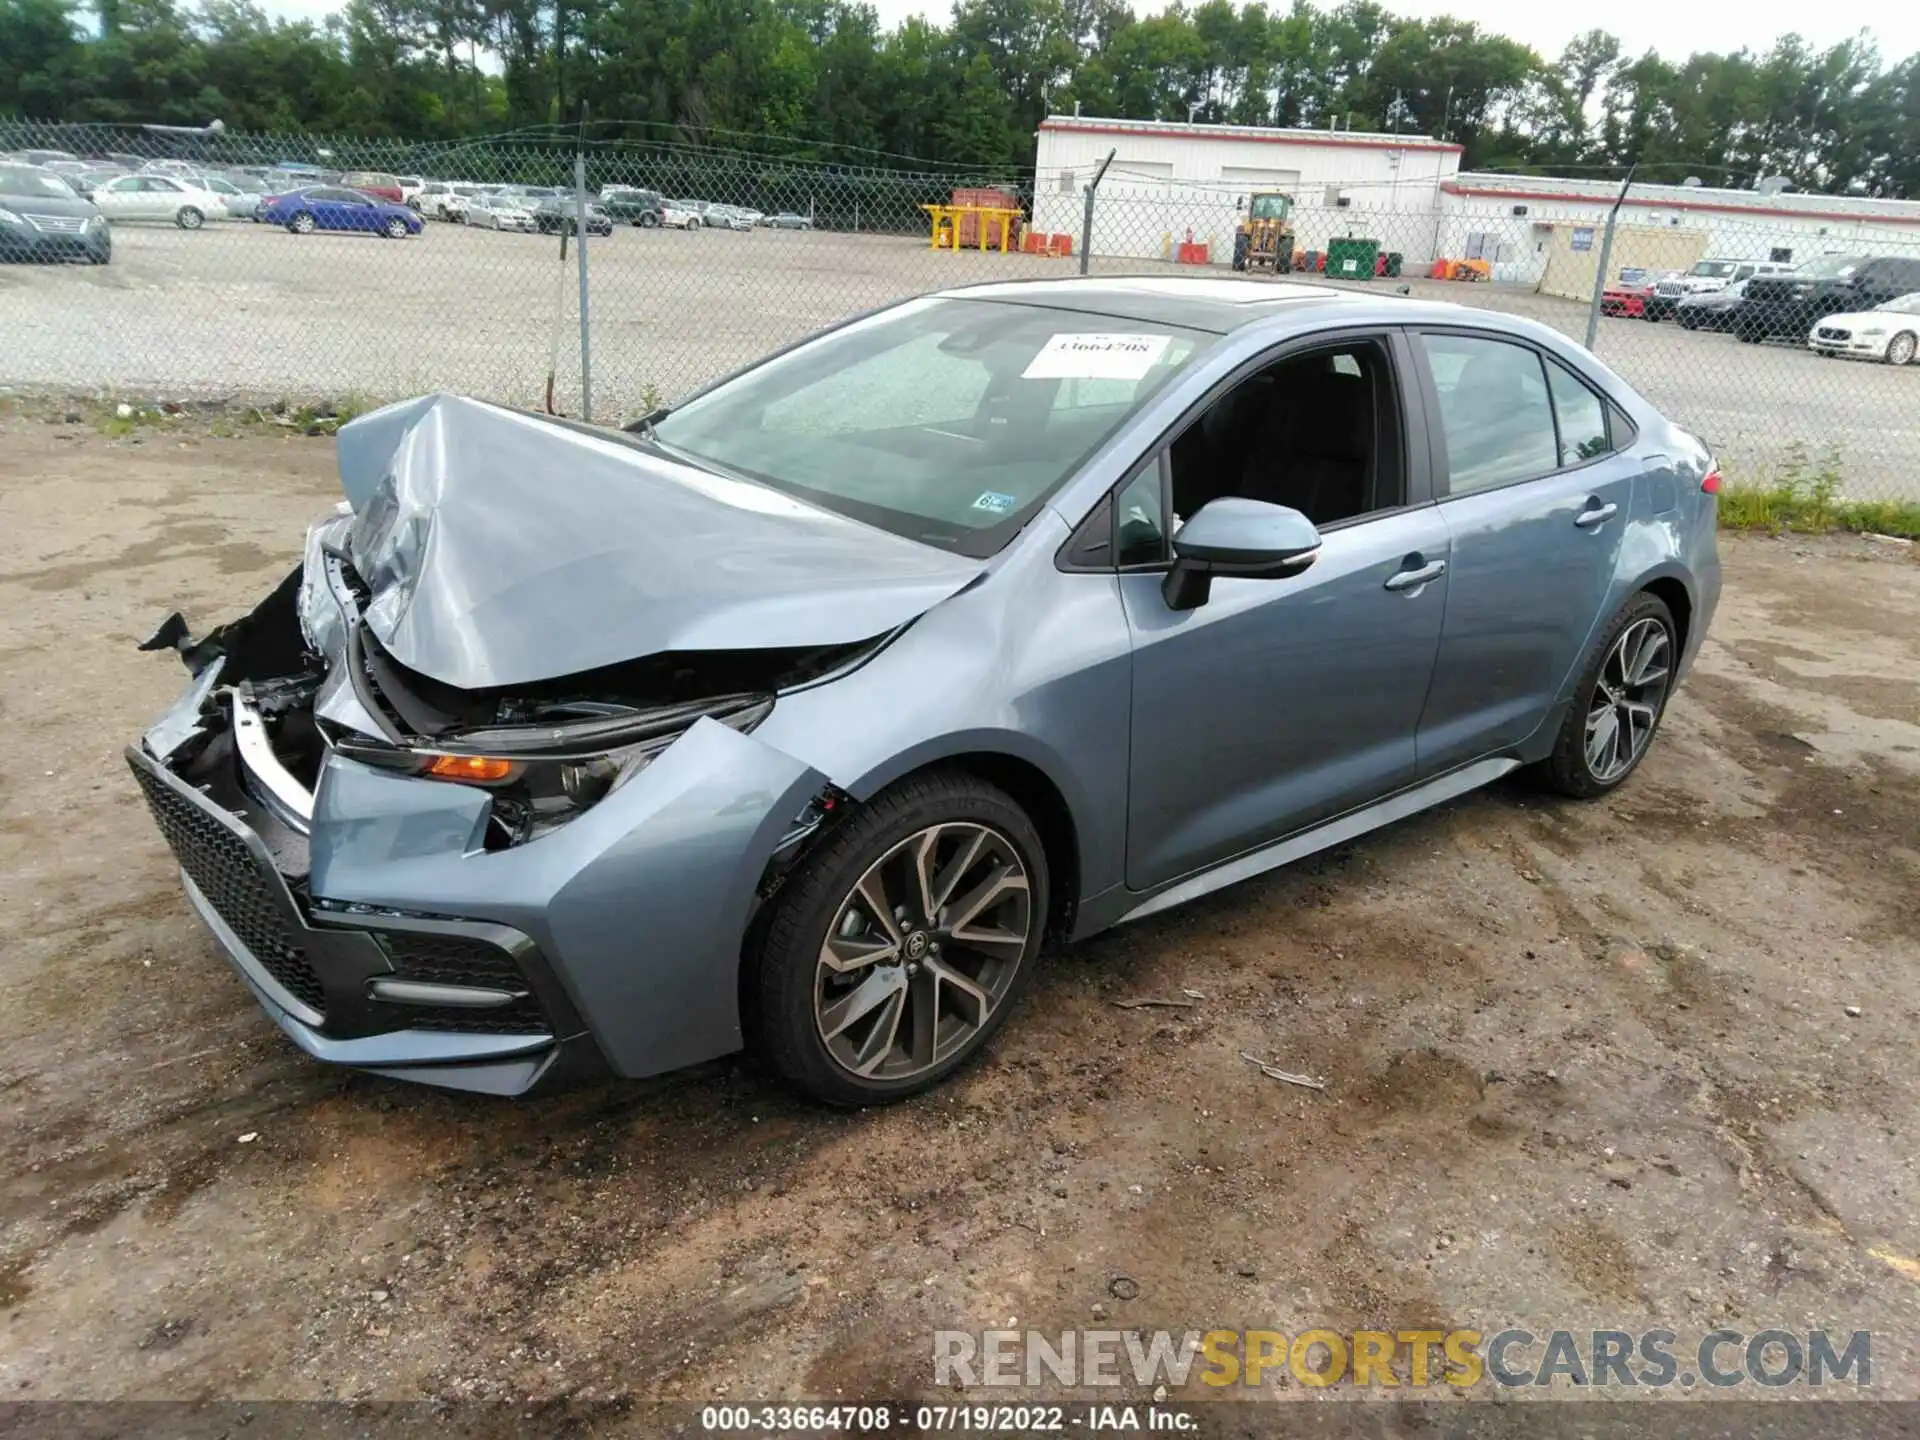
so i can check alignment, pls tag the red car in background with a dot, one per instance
(377, 183)
(1627, 297)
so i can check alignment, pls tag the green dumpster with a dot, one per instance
(1350, 258)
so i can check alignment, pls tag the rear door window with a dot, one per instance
(1495, 413)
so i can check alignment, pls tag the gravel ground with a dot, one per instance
(1587, 1065)
(238, 309)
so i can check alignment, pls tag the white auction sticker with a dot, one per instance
(1096, 357)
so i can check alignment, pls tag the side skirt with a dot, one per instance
(1329, 833)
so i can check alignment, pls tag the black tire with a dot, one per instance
(1687, 322)
(396, 228)
(1747, 334)
(648, 221)
(188, 218)
(1568, 770)
(1901, 348)
(301, 224)
(783, 961)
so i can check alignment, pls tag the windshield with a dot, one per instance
(1270, 207)
(944, 420)
(1829, 267)
(1903, 305)
(25, 180)
(1713, 269)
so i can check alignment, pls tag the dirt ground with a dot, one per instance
(1646, 1061)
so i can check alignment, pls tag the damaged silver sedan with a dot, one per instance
(801, 716)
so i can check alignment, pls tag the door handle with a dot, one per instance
(1414, 579)
(1599, 515)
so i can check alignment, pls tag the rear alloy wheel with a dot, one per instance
(301, 224)
(899, 947)
(1617, 707)
(189, 218)
(1900, 349)
(396, 228)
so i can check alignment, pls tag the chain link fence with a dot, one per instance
(699, 259)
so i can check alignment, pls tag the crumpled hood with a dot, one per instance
(502, 549)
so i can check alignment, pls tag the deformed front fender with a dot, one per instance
(639, 906)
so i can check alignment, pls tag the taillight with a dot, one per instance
(1710, 482)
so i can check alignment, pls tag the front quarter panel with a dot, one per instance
(1028, 662)
(640, 905)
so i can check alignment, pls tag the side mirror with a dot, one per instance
(1232, 536)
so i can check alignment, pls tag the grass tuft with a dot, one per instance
(1806, 498)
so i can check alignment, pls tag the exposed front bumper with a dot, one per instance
(322, 975)
(612, 942)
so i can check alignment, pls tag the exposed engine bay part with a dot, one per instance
(263, 644)
(499, 548)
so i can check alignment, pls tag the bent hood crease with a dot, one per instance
(502, 549)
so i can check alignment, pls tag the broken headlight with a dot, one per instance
(536, 790)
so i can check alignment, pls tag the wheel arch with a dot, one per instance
(1673, 591)
(1015, 764)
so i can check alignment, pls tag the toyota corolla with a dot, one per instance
(802, 716)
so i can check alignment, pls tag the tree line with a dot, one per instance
(822, 79)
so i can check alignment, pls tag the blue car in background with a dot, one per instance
(334, 207)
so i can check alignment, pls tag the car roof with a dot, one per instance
(1222, 306)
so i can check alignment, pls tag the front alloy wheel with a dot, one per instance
(898, 945)
(1900, 349)
(923, 949)
(396, 228)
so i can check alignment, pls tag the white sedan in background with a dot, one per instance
(159, 197)
(1889, 332)
(499, 212)
(676, 216)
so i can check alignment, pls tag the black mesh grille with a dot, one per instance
(462, 960)
(229, 875)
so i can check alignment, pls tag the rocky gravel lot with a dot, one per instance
(1648, 1061)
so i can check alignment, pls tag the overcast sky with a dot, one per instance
(1674, 29)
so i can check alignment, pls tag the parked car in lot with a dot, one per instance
(786, 721)
(1713, 310)
(41, 218)
(675, 215)
(1889, 332)
(731, 217)
(1788, 305)
(334, 207)
(557, 213)
(240, 203)
(500, 212)
(787, 220)
(1705, 277)
(1627, 297)
(172, 198)
(634, 206)
(376, 183)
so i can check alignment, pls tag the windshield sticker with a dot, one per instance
(1097, 357)
(994, 503)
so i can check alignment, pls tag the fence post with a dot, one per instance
(1606, 256)
(580, 236)
(1086, 218)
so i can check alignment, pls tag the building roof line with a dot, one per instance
(1652, 202)
(1348, 139)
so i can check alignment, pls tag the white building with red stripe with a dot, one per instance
(1170, 181)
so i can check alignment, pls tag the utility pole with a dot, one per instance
(1606, 258)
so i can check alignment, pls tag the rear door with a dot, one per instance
(1536, 481)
